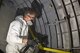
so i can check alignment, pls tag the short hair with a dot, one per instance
(30, 11)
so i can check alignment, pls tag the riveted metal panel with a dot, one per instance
(75, 39)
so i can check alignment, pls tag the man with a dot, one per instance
(17, 36)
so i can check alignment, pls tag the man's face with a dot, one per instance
(29, 17)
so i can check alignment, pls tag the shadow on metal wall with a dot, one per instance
(79, 2)
(1, 51)
(1, 3)
(37, 6)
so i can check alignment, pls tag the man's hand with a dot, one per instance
(24, 40)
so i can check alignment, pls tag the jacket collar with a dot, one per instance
(21, 18)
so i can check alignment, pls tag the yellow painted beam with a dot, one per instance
(52, 50)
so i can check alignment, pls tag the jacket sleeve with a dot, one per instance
(14, 32)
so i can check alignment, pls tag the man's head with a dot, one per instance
(29, 14)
